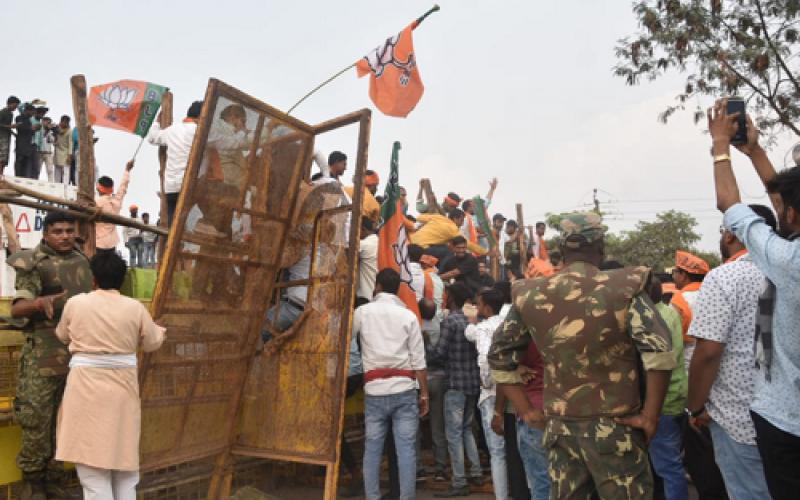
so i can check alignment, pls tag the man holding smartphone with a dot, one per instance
(776, 403)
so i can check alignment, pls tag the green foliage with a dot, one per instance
(725, 48)
(654, 243)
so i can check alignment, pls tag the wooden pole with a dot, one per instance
(430, 198)
(164, 121)
(523, 250)
(10, 229)
(88, 214)
(85, 159)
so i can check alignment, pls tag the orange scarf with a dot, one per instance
(684, 310)
(427, 289)
(736, 255)
(542, 249)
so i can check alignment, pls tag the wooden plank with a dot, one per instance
(164, 121)
(430, 197)
(86, 155)
(341, 121)
(79, 210)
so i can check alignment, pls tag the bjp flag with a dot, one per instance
(395, 85)
(127, 105)
(393, 239)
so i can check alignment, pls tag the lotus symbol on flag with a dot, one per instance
(116, 97)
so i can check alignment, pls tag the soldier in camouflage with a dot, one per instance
(591, 327)
(46, 277)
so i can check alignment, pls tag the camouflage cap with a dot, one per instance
(581, 228)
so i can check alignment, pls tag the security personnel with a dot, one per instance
(46, 277)
(590, 326)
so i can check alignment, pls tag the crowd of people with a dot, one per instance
(589, 379)
(578, 376)
(38, 142)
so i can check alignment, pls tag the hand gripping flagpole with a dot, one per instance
(419, 20)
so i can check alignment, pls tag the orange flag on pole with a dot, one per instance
(392, 238)
(395, 85)
(128, 105)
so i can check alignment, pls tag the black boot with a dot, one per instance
(32, 488)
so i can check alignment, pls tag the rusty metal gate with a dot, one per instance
(211, 392)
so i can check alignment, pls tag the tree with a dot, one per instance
(732, 47)
(653, 244)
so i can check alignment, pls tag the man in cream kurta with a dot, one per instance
(100, 417)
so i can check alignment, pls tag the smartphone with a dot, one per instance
(736, 105)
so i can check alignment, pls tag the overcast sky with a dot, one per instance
(521, 90)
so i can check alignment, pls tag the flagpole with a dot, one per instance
(166, 89)
(419, 20)
(137, 149)
(329, 80)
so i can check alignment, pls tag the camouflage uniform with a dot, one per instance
(588, 325)
(45, 360)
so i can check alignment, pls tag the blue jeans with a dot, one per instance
(497, 450)
(740, 465)
(135, 252)
(402, 411)
(665, 453)
(287, 315)
(149, 253)
(459, 411)
(534, 458)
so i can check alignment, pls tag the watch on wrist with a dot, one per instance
(696, 413)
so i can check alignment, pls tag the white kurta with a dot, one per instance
(99, 421)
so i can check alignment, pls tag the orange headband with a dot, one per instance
(105, 190)
(450, 201)
(371, 180)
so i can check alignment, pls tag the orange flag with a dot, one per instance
(128, 105)
(392, 238)
(395, 85)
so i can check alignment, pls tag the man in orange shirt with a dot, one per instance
(688, 275)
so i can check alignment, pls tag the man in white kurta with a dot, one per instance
(100, 417)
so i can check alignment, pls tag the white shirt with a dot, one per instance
(501, 245)
(178, 139)
(390, 338)
(367, 266)
(481, 334)
(417, 279)
(131, 232)
(725, 311)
